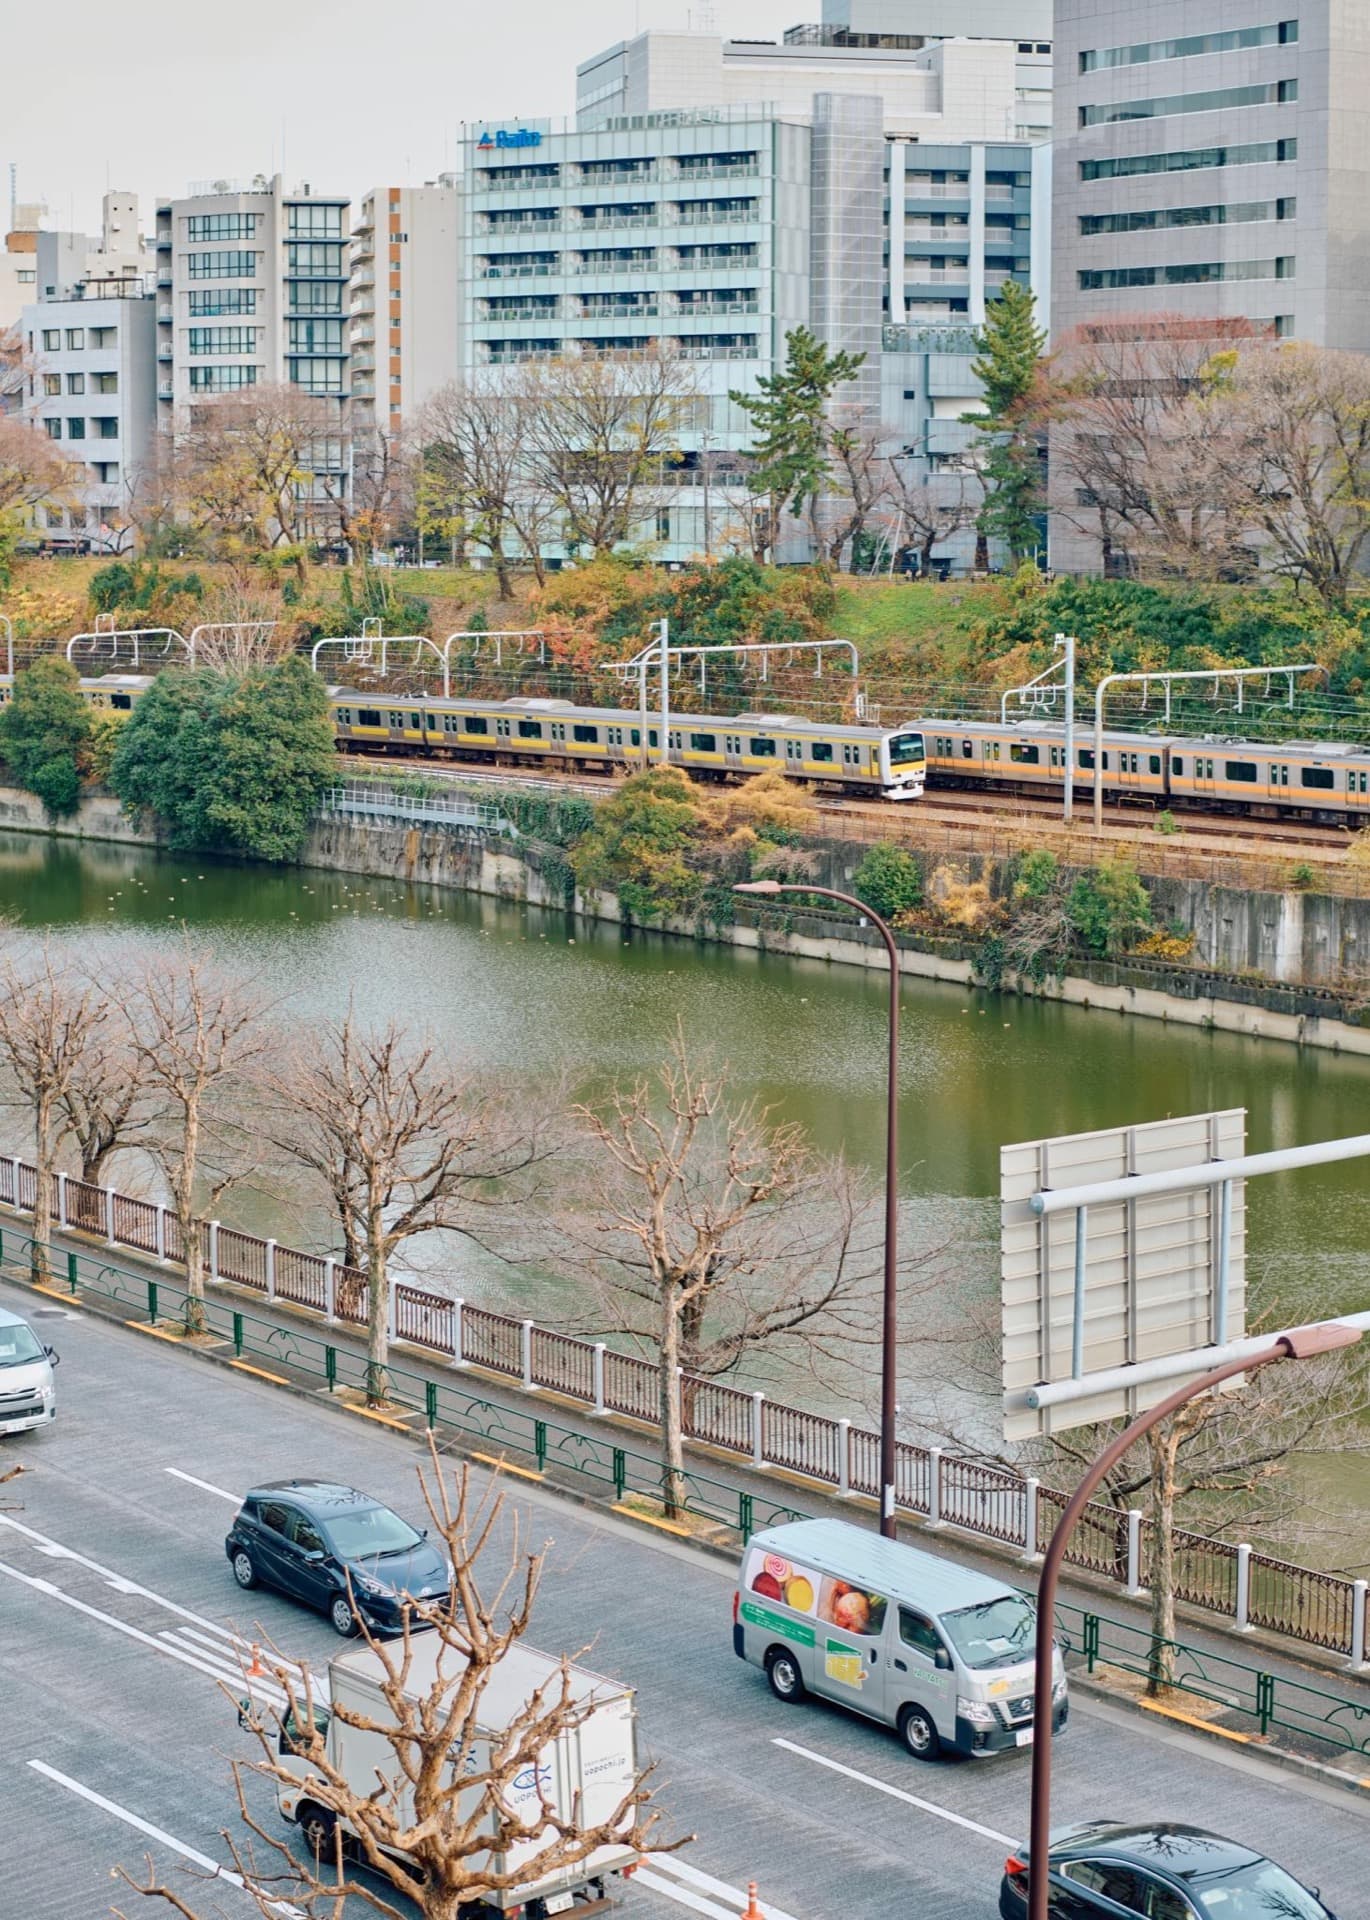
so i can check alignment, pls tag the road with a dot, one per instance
(118, 1612)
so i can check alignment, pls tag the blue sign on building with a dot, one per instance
(503, 137)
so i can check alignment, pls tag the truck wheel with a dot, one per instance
(243, 1570)
(317, 1825)
(341, 1616)
(787, 1682)
(919, 1734)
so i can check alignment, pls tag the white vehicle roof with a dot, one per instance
(511, 1685)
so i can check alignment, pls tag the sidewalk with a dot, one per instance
(540, 1437)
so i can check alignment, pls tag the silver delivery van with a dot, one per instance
(907, 1638)
(28, 1395)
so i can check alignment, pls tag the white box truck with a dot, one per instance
(584, 1773)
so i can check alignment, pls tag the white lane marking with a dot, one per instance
(897, 1793)
(54, 1550)
(146, 1827)
(268, 1691)
(205, 1486)
(292, 1667)
(675, 1863)
(644, 1877)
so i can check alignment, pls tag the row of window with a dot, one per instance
(310, 222)
(1152, 219)
(1028, 753)
(1276, 92)
(647, 211)
(548, 172)
(206, 301)
(1282, 33)
(224, 339)
(223, 226)
(222, 379)
(1253, 153)
(1186, 273)
(103, 427)
(583, 733)
(301, 257)
(100, 337)
(76, 383)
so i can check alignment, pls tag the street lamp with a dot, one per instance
(888, 1376)
(1300, 1344)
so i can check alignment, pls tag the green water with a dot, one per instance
(539, 995)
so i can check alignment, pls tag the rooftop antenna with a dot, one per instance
(14, 194)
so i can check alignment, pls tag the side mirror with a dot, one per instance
(944, 1660)
(53, 1355)
(314, 1556)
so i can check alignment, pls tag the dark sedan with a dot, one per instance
(310, 1538)
(1161, 1873)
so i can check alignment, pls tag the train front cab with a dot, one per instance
(903, 764)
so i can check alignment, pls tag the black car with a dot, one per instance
(306, 1537)
(1162, 1873)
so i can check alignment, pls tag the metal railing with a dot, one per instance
(980, 1498)
(455, 810)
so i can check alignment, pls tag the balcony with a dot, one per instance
(615, 266)
(362, 361)
(944, 236)
(923, 276)
(165, 350)
(704, 176)
(689, 215)
(363, 388)
(165, 316)
(588, 312)
(608, 182)
(686, 349)
(165, 390)
(497, 229)
(164, 276)
(717, 309)
(937, 189)
(616, 222)
(517, 273)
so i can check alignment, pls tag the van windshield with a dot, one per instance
(997, 1633)
(18, 1346)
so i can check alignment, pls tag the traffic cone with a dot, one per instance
(256, 1671)
(753, 1911)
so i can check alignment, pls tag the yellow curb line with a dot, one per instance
(158, 1333)
(1192, 1720)
(501, 1465)
(260, 1373)
(382, 1419)
(51, 1292)
(666, 1526)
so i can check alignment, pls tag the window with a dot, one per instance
(761, 748)
(52, 384)
(1256, 153)
(222, 226)
(26, 276)
(1154, 763)
(313, 258)
(106, 426)
(76, 383)
(1213, 101)
(1242, 770)
(314, 336)
(52, 340)
(1283, 34)
(587, 736)
(306, 1535)
(314, 223)
(275, 1516)
(1028, 756)
(76, 429)
(104, 336)
(919, 1633)
(223, 339)
(1177, 766)
(1187, 273)
(106, 472)
(308, 296)
(205, 301)
(703, 743)
(530, 729)
(1151, 220)
(473, 723)
(821, 750)
(54, 429)
(221, 266)
(104, 382)
(1320, 777)
(317, 376)
(368, 717)
(222, 379)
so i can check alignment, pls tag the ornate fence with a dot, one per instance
(975, 1496)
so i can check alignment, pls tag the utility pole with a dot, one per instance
(665, 626)
(1067, 641)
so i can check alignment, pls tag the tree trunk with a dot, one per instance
(672, 1434)
(378, 1305)
(1164, 1444)
(501, 560)
(44, 1154)
(183, 1196)
(981, 551)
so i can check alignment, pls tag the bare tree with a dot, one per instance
(197, 1035)
(31, 468)
(249, 462)
(405, 1145)
(479, 447)
(599, 431)
(246, 625)
(373, 497)
(444, 1821)
(52, 1024)
(925, 513)
(859, 478)
(711, 1230)
(104, 1106)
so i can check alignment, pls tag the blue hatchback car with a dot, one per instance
(307, 1538)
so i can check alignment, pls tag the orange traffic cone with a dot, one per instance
(256, 1671)
(753, 1911)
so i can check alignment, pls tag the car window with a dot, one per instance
(306, 1535)
(1163, 1903)
(1124, 1885)
(370, 1530)
(1260, 1892)
(274, 1515)
(919, 1633)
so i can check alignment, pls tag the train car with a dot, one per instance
(1308, 778)
(1028, 756)
(534, 731)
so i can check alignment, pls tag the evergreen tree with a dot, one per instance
(1007, 366)
(791, 455)
(43, 729)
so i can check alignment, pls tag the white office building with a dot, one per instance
(405, 308)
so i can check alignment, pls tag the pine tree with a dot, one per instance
(791, 455)
(1008, 367)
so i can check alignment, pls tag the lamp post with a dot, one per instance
(888, 1375)
(1301, 1344)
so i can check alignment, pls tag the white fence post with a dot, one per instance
(1134, 1552)
(270, 1270)
(214, 1251)
(597, 1364)
(934, 1486)
(458, 1357)
(758, 1440)
(62, 1200)
(110, 1239)
(390, 1312)
(1243, 1623)
(13, 1159)
(527, 1346)
(330, 1290)
(161, 1232)
(1358, 1592)
(844, 1459)
(1030, 1490)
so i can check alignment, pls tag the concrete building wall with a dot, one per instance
(937, 19)
(404, 302)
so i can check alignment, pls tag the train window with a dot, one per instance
(1177, 765)
(473, 723)
(821, 750)
(1315, 776)
(394, 719)
(635, 737)
(794, 749)
(530, 729)
(1279, 775)
(1027, 756)
(1351, 783)
(1087, 757)
(1244, 770)
(585, 734)
(558, 729)
(672, 740)
(703, 743)
(761, 747)
(416, 723)
(733, 744)
(121, 702)
(368, 717)
(343, 716)
(502, 728)
(967, 750)
(1153, 763)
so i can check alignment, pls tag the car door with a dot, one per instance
(847, 1665)
(316, 1584)
(915, 1676)
(270, 1547)
(1119, 1888)
(291, 1577)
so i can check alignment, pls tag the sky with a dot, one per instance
(353, 93)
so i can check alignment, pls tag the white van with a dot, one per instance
(28, 1395)
(914, 1641)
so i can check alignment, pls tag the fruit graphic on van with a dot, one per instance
(799, 1593)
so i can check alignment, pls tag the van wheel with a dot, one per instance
(243, 1570)
(341, 1616)
(919, 1734)
(787, 1682)
(317, 1825)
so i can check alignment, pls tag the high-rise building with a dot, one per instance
(404, 302)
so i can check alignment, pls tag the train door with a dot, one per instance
(1205, 773)
(1277, 779)
(732, 750)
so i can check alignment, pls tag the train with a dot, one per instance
(1306, 779)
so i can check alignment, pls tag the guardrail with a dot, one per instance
(980, 1498)
(457, 811)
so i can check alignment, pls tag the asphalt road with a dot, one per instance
(117, 1611)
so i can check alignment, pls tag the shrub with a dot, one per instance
(43, 731)
(1166, 823)
(640, 843)
(1109, 907)
(1036, 875)
(889, 881)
